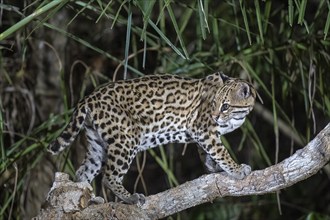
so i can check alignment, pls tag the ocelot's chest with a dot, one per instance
(154, 139)
(163, 128)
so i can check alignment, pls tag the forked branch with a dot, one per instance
(301, 165)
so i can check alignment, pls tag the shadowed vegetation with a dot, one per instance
(52, 53)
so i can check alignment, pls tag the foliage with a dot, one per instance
(280, 46)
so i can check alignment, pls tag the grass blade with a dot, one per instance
(268, 7)
(202, 19)
(327, 24)
(146, 7)
(246, 23)
(276, 130)
(216, 36)
(302, 10)
(176, 28)
(185, 18)
(176, 50)
(290, 10)
(29, 18)
(257, 6)
(103, 10)
(117, 14)
(128, 39)
(2, 122)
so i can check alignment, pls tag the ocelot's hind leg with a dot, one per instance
(92, 164)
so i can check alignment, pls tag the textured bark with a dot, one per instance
(301, 165)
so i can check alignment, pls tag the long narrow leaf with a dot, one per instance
(154, 26)
(302, 10)
(202, 19)
(185, 18)
(290, 11)
(2, 147)
(245, 19)
(117, 14)
(29, 18)
(267, 11)
(127, 41)
(103, 10)
(176, 28)
(146, 7)
(327, 24)
(256, 4)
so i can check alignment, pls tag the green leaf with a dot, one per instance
(176, 28)
(327, 24)
(302, 10)
(2, 147)
(103, 10)
(245, 19)
(146, 7)
(118, 12)
(185, 18)
(154, 26)
(32, 16)
(203, 18)
(290, 11)
(327, 103)
(267, 11)
(256, 3)
(128, 39)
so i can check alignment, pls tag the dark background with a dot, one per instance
(47, 65)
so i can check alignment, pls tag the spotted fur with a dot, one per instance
(125, 117)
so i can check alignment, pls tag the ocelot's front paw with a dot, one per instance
(241, 172)
(136, 198)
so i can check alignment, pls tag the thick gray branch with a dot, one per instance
(301, 165)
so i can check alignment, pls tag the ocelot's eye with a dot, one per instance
(224, 107)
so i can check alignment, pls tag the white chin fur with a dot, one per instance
(230, 125)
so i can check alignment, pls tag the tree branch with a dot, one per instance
(301, 165)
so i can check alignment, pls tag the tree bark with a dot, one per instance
(301, 165)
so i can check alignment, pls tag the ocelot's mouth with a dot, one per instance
(243, 110)
(239, 115)
(250, 108)
(236, 116)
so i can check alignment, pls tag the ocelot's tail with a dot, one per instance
(70, 132)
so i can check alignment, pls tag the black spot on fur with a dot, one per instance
(66, 136)
(55, 146)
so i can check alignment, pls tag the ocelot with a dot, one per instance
(128, 116)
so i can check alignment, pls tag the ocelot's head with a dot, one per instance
(232, 102)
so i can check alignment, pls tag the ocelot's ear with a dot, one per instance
(217, 77)
(224, 77)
